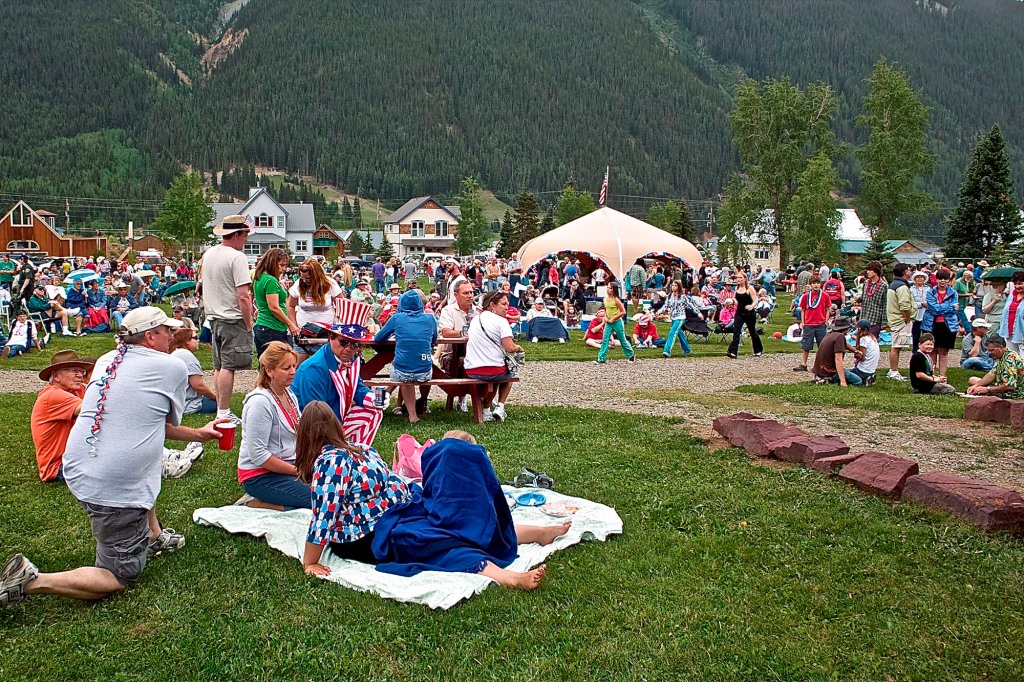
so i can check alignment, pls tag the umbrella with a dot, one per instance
(1000, 274)
(178, 288)
(83, 275)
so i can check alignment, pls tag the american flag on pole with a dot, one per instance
(604, 187)
(250, 222)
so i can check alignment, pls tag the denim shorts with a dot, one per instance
(400, 377)
(122, 540)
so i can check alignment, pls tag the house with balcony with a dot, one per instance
(423, 227)
(286, 226)
(35, 232)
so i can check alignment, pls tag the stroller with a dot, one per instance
(694, 327)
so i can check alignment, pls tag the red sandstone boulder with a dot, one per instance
(879, 474)
(807, 450)
(987, 408)
(827, 465)
(1017, 414)
(763, 437)
(725, 425)
(990, 506)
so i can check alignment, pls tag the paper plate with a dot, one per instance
(531, 500)
(559, 509)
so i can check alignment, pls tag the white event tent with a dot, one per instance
(613, 237)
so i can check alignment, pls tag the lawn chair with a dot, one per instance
(695, 328)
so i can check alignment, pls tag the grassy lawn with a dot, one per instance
(888, 396)
(725, 571)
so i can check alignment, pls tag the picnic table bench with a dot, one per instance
(454, 388)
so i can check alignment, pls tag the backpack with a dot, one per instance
(406, 461)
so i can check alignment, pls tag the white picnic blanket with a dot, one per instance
(286, 532)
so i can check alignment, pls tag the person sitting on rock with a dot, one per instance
(1006, 378)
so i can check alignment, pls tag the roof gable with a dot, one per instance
(417, 203)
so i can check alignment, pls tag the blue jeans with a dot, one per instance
(264, 335)
(851, 378)
(676, 331)
(619, 331)
(864, 376)
(16, 350)
(282, 489)
(209, 406)
(977, 364)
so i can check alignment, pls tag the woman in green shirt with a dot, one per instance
(272, 323)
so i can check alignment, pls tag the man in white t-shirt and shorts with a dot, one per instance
(452, 323)
(227, 298)
(114, 460)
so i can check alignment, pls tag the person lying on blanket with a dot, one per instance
(458, 521)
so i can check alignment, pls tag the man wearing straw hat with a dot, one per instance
(114, 460)
(56, 408)
(227, 298)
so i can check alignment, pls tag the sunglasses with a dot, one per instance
(345, 343)
(304, 271)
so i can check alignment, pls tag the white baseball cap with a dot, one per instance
(145, 318)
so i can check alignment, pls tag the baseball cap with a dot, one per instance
(145, 318)
(863, 324)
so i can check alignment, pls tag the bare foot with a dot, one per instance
(542, 535)
(520, 580)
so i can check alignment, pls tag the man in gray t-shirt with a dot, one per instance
(113, 462)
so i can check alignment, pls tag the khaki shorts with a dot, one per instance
(232, 345)
(902, 335)
(122, 540)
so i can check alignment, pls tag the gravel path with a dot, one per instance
(699, 389)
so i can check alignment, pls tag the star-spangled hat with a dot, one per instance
(352, 316)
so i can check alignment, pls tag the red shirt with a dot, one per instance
(815, 308)
(649, 331)
(53, 415)
(1012, 315)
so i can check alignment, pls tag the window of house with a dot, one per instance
(440, 228)
(280, 221)
(22, 245)
(21, 216)
(251, 249)
(762, 253)
(417, 229)
(301, 245)
(263, 220)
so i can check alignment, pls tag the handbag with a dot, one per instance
(511, 363)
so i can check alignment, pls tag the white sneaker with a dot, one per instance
(498, 412)
(488, 417)
(463, 405)
(67, 332)
(194, 451)
(561, 340)
(535, 340)
(896, 376)
(235, 419)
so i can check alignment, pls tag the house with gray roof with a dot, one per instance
(424, 227)
(289, 226)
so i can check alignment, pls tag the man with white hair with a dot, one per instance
(114, 460)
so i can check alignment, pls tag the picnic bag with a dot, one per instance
(406, 460)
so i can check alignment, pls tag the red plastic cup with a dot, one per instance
(227, 435)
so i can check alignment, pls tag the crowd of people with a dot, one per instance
(927, 312)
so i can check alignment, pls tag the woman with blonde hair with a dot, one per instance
(314, 297)
(199, 398)
(270, 416)
(272, 324)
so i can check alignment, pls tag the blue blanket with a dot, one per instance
(459, 522)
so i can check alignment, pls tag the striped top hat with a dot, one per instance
(352, 316)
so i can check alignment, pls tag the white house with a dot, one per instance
(288, 226)
(423, 226)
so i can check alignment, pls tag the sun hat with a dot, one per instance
(145, 318)
(230, 225)
(980, 323)
(919, 273)
(351, 324)
(983, 263)
(394, 285)
(842, 323)
(64, 359)
(121, 285)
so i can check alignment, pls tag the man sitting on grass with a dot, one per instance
(828, 361)
(973, 354)
(1006, 378)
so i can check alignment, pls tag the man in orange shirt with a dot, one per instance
(56, 408)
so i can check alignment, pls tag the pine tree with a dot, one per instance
(548, 222)
(526, 218)
(986, 214)
(684, 224)
(386, 250)
(346, 210)
(473, 234)
(506, 246)
(355, 245)
(878, 249)
(357, 212)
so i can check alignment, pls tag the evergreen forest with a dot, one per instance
(105, 103)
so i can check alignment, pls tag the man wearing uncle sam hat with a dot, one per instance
(332, 375)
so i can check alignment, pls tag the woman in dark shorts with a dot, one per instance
(490, 338)
(940, 318)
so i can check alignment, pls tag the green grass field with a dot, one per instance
(725, 571)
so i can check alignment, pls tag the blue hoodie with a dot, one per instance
(415, 335)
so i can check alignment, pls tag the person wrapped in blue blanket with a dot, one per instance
(458, 521)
